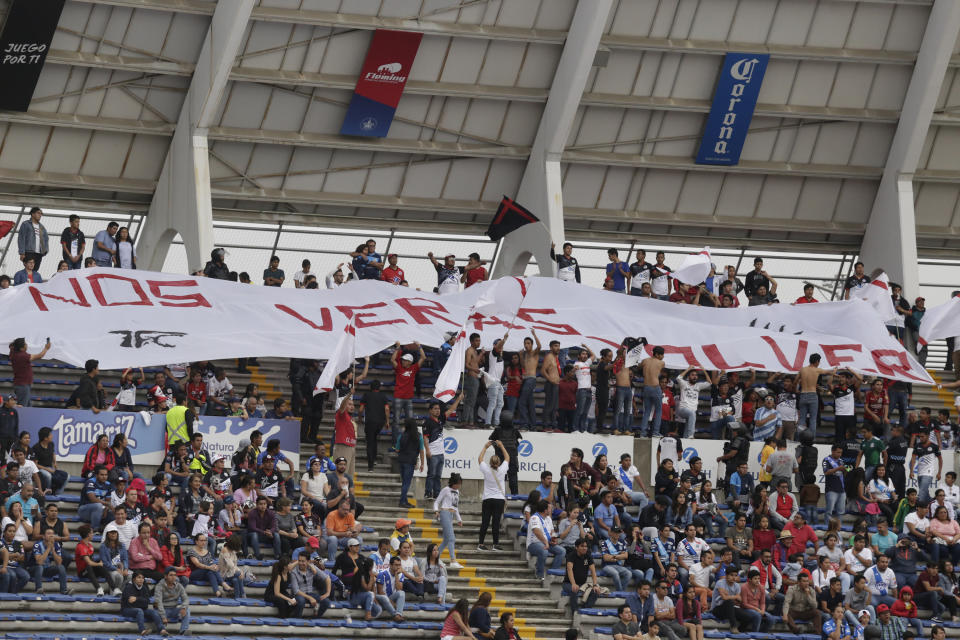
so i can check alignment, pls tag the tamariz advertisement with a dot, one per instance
(24, 44)
(732, 110)
(381, 82)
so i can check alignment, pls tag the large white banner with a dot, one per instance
(538, 452)
(942, 321)
(137, 318)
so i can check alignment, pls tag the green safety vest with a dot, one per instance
(177, 425)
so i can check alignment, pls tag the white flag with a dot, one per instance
(503, 296)
(877, 293)
(343, 357)
(695, 268)
(942, 321)
(635, 356)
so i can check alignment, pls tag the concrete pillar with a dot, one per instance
(540, 188)
(890, 241)
(182, 203)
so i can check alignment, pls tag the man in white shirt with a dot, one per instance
(581, 370)
(700, 577)
(688, 551)
(126, 531)
(951, 489)
(217, 389)
(916, 524)
(882, 582)
(631, 482)
(540, 540)
(299, 276)
(689, 399)
(859, 556)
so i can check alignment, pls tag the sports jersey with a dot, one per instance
(843, 404)
(927, 456)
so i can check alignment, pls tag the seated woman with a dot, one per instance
(665, 482)
(946, 534)
(708, 510)
(507, 631)
(880, 490)
(203, 567)
(173, 556)
(689, 615)
(412, 576)
(763, 537)
(89, 565)
(114, 559)
(277, 591)
(479, 618)
(434, 574)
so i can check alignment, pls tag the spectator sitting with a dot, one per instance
(479, 616)
(94, 498)
(278, 586)
(126, 530)
(262, 527)
(27, 275)
(246, 494)
(434, 574)
(144, 554)
(203, 566)
(270, 484)
(413, 581)
(228, 564)
(172, 601)
(507, 631)
(281, 411)
(135, 604)
(390, 593)
(287, 527)
(304, 577)
(689, 614)
(905, 607)
(314, 487)
(99, 454)
(173, 557)
(48, 562)
(44, 456)
(176, 466)
(342, 527)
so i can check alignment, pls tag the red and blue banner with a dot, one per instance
(381, 82)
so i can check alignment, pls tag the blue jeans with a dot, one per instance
(365, 600)
(575, 597)
(434, 469)
(50, 571)
(716, 427)
(494, 403)
(620, 575)
(923, 488)
(14, 580)
(254, 539)
(91, 512)
(22, 391)
(690, 417)
(449, 539)
(551, 400)
(652, 406)
(172, 614)
(202, 576)
(406, 406)
(808, 404)
(899, 401)
(394, 603)
(406, 477)
(141, 616)
(322, 605)
(836, 505)
(623, 409)
(583, 407)
(540, 552)
(526, 411)
(54, 481)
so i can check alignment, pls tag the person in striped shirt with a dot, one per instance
(766, 420)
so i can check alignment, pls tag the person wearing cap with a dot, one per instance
(401, 534)
(891, 627)
(405, 371)
(392, 273)
(217, 480)
(342, 528)
(172, 600)
(781, 550)
(448, 274)
(270, 482)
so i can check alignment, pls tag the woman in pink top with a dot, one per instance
(946, 532)
(455, 625)
(144, 553)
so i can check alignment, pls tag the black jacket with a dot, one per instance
(9, 423)
(142, 596)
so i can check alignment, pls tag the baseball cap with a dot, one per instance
(228, 499)
(616, 529)
(171, 569)
(882, 608)
(862, 612)
(313, 542)
(403, 522)
(268, 459)
(408, 357)
(339, 460)
(353, 542)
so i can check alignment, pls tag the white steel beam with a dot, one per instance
(182, 202)
(890, 240)
(540, 188)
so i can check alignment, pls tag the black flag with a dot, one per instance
(510, 216)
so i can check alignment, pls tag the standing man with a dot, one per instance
(550, 370)
(405, 372)
(32, 239)
(568, 269)
(652, 394)
(104, 246)
(474, 272)
(73, 243)
(392, 273)
(273, 276)
(756, 279)
(301, 275)
(530, 360)
(376, 415)
(581, 369)
(855, 282)
(928, 455)
(448, 274)
(808, 402)
(641, 271)
(690, 387)
(471, 381)
(623, 400)
(618, 271)
(833, 472)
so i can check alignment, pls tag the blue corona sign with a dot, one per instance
(732, 110)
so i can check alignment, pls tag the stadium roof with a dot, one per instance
(101, 121)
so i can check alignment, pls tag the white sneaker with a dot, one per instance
(116, 592)
(100, 591)
(455, 565)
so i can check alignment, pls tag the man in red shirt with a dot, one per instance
(802, 534)
(392, 273)
(474, 272)
(405, 375)
(22, 364)
(345, 434)
(807, 296)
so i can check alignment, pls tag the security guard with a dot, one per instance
(179, 421)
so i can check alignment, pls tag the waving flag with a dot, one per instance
(695, 268)
(942, 321)
(502, 296)
(510, 216)
(343, 357)
(877, 293)
(5, 227)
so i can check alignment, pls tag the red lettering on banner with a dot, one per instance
(480, 321)
(830, 353)
(550, 327)
(421, 312)
(719, 362)
(902, 366)
(325, 318)
(798, 358)
(348, 310)
(686, 352)
(191, 300)
(95, 279)
(599, 339)
(38, 297)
